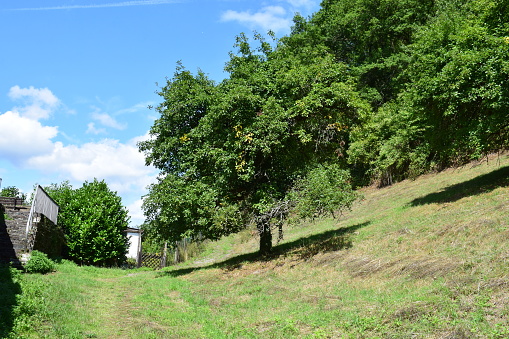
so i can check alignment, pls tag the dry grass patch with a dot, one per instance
(413, 311)
(417, 267)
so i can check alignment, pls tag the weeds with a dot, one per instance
(39, 263)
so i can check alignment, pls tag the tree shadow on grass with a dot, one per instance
(9, 288)
(304, 248)
(478, 185)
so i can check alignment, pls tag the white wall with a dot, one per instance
(134, 239)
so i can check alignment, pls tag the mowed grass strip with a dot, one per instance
(424, 258)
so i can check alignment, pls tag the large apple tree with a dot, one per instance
(247, 149)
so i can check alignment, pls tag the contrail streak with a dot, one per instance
(118, 4)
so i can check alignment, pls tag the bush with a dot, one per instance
(94, 222)
(130, 263)
(326, 189)
(39, 263)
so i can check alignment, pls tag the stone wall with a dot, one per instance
(12, 234)
(13, 242)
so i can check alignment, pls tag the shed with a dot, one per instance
(134, 236)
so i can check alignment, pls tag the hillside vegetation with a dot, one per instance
(424, 258)
(363, 91)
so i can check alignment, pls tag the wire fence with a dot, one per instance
(152, 260)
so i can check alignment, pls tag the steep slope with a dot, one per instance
(423, 258)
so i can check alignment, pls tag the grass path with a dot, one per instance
(115, 311)
(89, 302)
(113, 306)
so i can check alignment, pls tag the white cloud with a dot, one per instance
(273, 18)
(37, 103)
(134, 141)
(108, 121)
(136, 212)
(91, 129)
(136, 108)
(276, 18)
(43, 95)
(21, 137)
(121, 165)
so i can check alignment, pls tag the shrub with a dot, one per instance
(94, 222)
(130, 263)
(326, 189)
(39, 263)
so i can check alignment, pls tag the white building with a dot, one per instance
(134, 236)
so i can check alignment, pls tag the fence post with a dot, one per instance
(165, 254)
(138, 258)
(177, 254)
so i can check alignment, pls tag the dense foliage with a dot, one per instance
(231, 153)
(12, 192)
(324, 190)
(451, 102)
(383, 89)
(39, 263)
(94, 222)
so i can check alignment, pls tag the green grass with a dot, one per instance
(421, 259)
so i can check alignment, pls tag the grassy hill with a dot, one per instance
(426, 258)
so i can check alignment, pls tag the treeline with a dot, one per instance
(434, 75)
(381, 89)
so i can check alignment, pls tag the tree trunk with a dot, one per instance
(265, 235)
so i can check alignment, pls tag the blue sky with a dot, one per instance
(77, 76)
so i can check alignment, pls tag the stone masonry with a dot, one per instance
(45, 235)
(13, 241)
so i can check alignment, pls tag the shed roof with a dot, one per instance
(132, 230)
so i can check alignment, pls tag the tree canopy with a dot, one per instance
(451, 106)
(12, 192)
(231, 153)
(383, 90)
